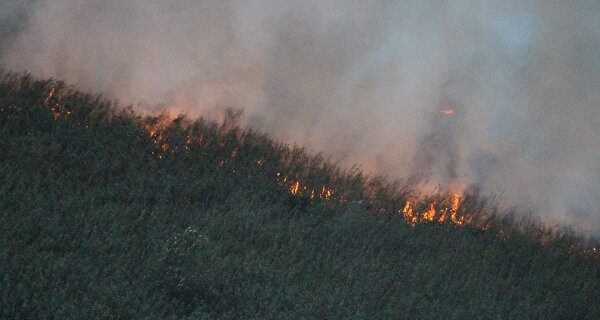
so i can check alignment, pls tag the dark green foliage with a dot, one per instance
(97, 220)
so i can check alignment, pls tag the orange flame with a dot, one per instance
(295, 188)
(326, 193)
(409, 214)
(49, 96)
(429, 215)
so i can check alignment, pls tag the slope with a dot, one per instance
(107, 214)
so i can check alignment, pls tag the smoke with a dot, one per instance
(367, 82)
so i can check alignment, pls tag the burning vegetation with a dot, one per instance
(197, 217)
(440, 209)
(307, 177)
(447, 111)
(313, 178)
(298, 173)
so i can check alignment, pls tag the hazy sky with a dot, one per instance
(360, 80)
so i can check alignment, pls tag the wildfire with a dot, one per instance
(444, 210)
(409, 214)
(326, 193)
(49, 96)
(434, 211)
(454, 210)
(429, 215)
(158, 138)
(432, 214)
(447, 112)
(57, 110)
(295, 188)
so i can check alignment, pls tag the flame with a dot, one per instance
(326, 193)
(429, 215)
(49, 96)
(454, 208)
(447, 111)
(432, 214)
(57, 110)
(409, 214)
(295, 188)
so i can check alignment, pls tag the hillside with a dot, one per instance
(106, 214)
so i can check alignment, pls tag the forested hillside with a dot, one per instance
(106, 214)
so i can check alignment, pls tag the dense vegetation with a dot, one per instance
(100, 219)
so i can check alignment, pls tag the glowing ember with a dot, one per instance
(326, 193)
(55, 112)
(281, 178)
(49, 96)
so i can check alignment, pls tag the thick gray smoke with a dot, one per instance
(371, 82)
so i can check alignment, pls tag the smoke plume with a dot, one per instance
(500, 95)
